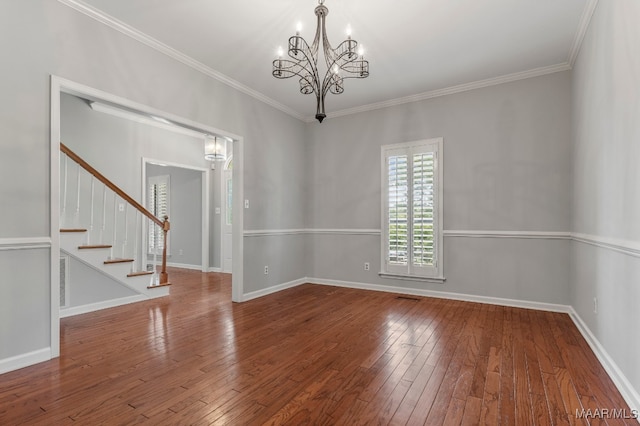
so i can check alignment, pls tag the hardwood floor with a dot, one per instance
(311, 355)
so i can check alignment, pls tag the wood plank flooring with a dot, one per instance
(311, 355)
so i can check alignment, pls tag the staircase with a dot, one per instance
(73, 243)
(104, 221)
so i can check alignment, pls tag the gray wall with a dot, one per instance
(507, 167)
(185, 209)
(40, 38)
(606, 207)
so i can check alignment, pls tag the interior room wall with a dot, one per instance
(185, 208)
(507, 168)
(606, 204)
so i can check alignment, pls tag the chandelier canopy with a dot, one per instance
(345, 61)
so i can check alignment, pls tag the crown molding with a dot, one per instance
(522, 75)
(135, 34)
(585, 20)
(129, 31)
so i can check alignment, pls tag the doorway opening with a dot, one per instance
(60, 86)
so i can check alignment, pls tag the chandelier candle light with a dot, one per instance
(342, 62)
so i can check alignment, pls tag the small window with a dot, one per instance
(158, 194)
(412, 206)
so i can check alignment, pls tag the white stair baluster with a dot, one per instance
(64, 189)
(115, 222)
(135, 267)
(104, 213)
(77, 216)
(93, 184)
(126, 231)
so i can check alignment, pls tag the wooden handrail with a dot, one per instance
(112, 186)
(164, 224)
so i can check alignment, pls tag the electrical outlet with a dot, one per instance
(266, 270)
(121, 207)
(180, 252)
(595, 305)
(217, 210)
(246, 204)
(366, 266)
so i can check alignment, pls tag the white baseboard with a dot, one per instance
(273, 289)
(541, 306)
(24, 360)
(215, 269)
(184, 266)
(629, 393)
(91, 307)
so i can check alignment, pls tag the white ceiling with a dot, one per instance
(416, 48)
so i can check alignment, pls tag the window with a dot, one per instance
(412, 206)
(158, 191)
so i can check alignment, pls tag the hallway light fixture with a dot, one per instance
(345, 61)
(215, 149)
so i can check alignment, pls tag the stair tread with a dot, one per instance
(159, 285)
(139, 273)
(72, 230)
(95, 246)
(110, 261)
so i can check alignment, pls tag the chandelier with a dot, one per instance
(341, 63)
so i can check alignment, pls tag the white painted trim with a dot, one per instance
(508, 234)
(92, 307)
(345, 231)
(439, 280)
(536, 72)
(237, 225)
(184, 266)
(89, 93)
(57, 85)
(630, 395)
(630, 248)
(542, 306)
(24, 360)
(206, 202)
(26, 243)
(215, 269)
(585, 20)
(143, 38)
(273, 289)
(272, 232)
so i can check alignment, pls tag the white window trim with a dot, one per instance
(154, 180)
(438, 271)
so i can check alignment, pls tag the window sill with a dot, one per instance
(439, 280)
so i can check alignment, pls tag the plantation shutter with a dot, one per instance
(411, 208)
(397, 205)
(158, 205)
(423, 203)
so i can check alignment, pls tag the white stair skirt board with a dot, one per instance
(92, 307)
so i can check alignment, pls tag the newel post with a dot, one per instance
(164, 277)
